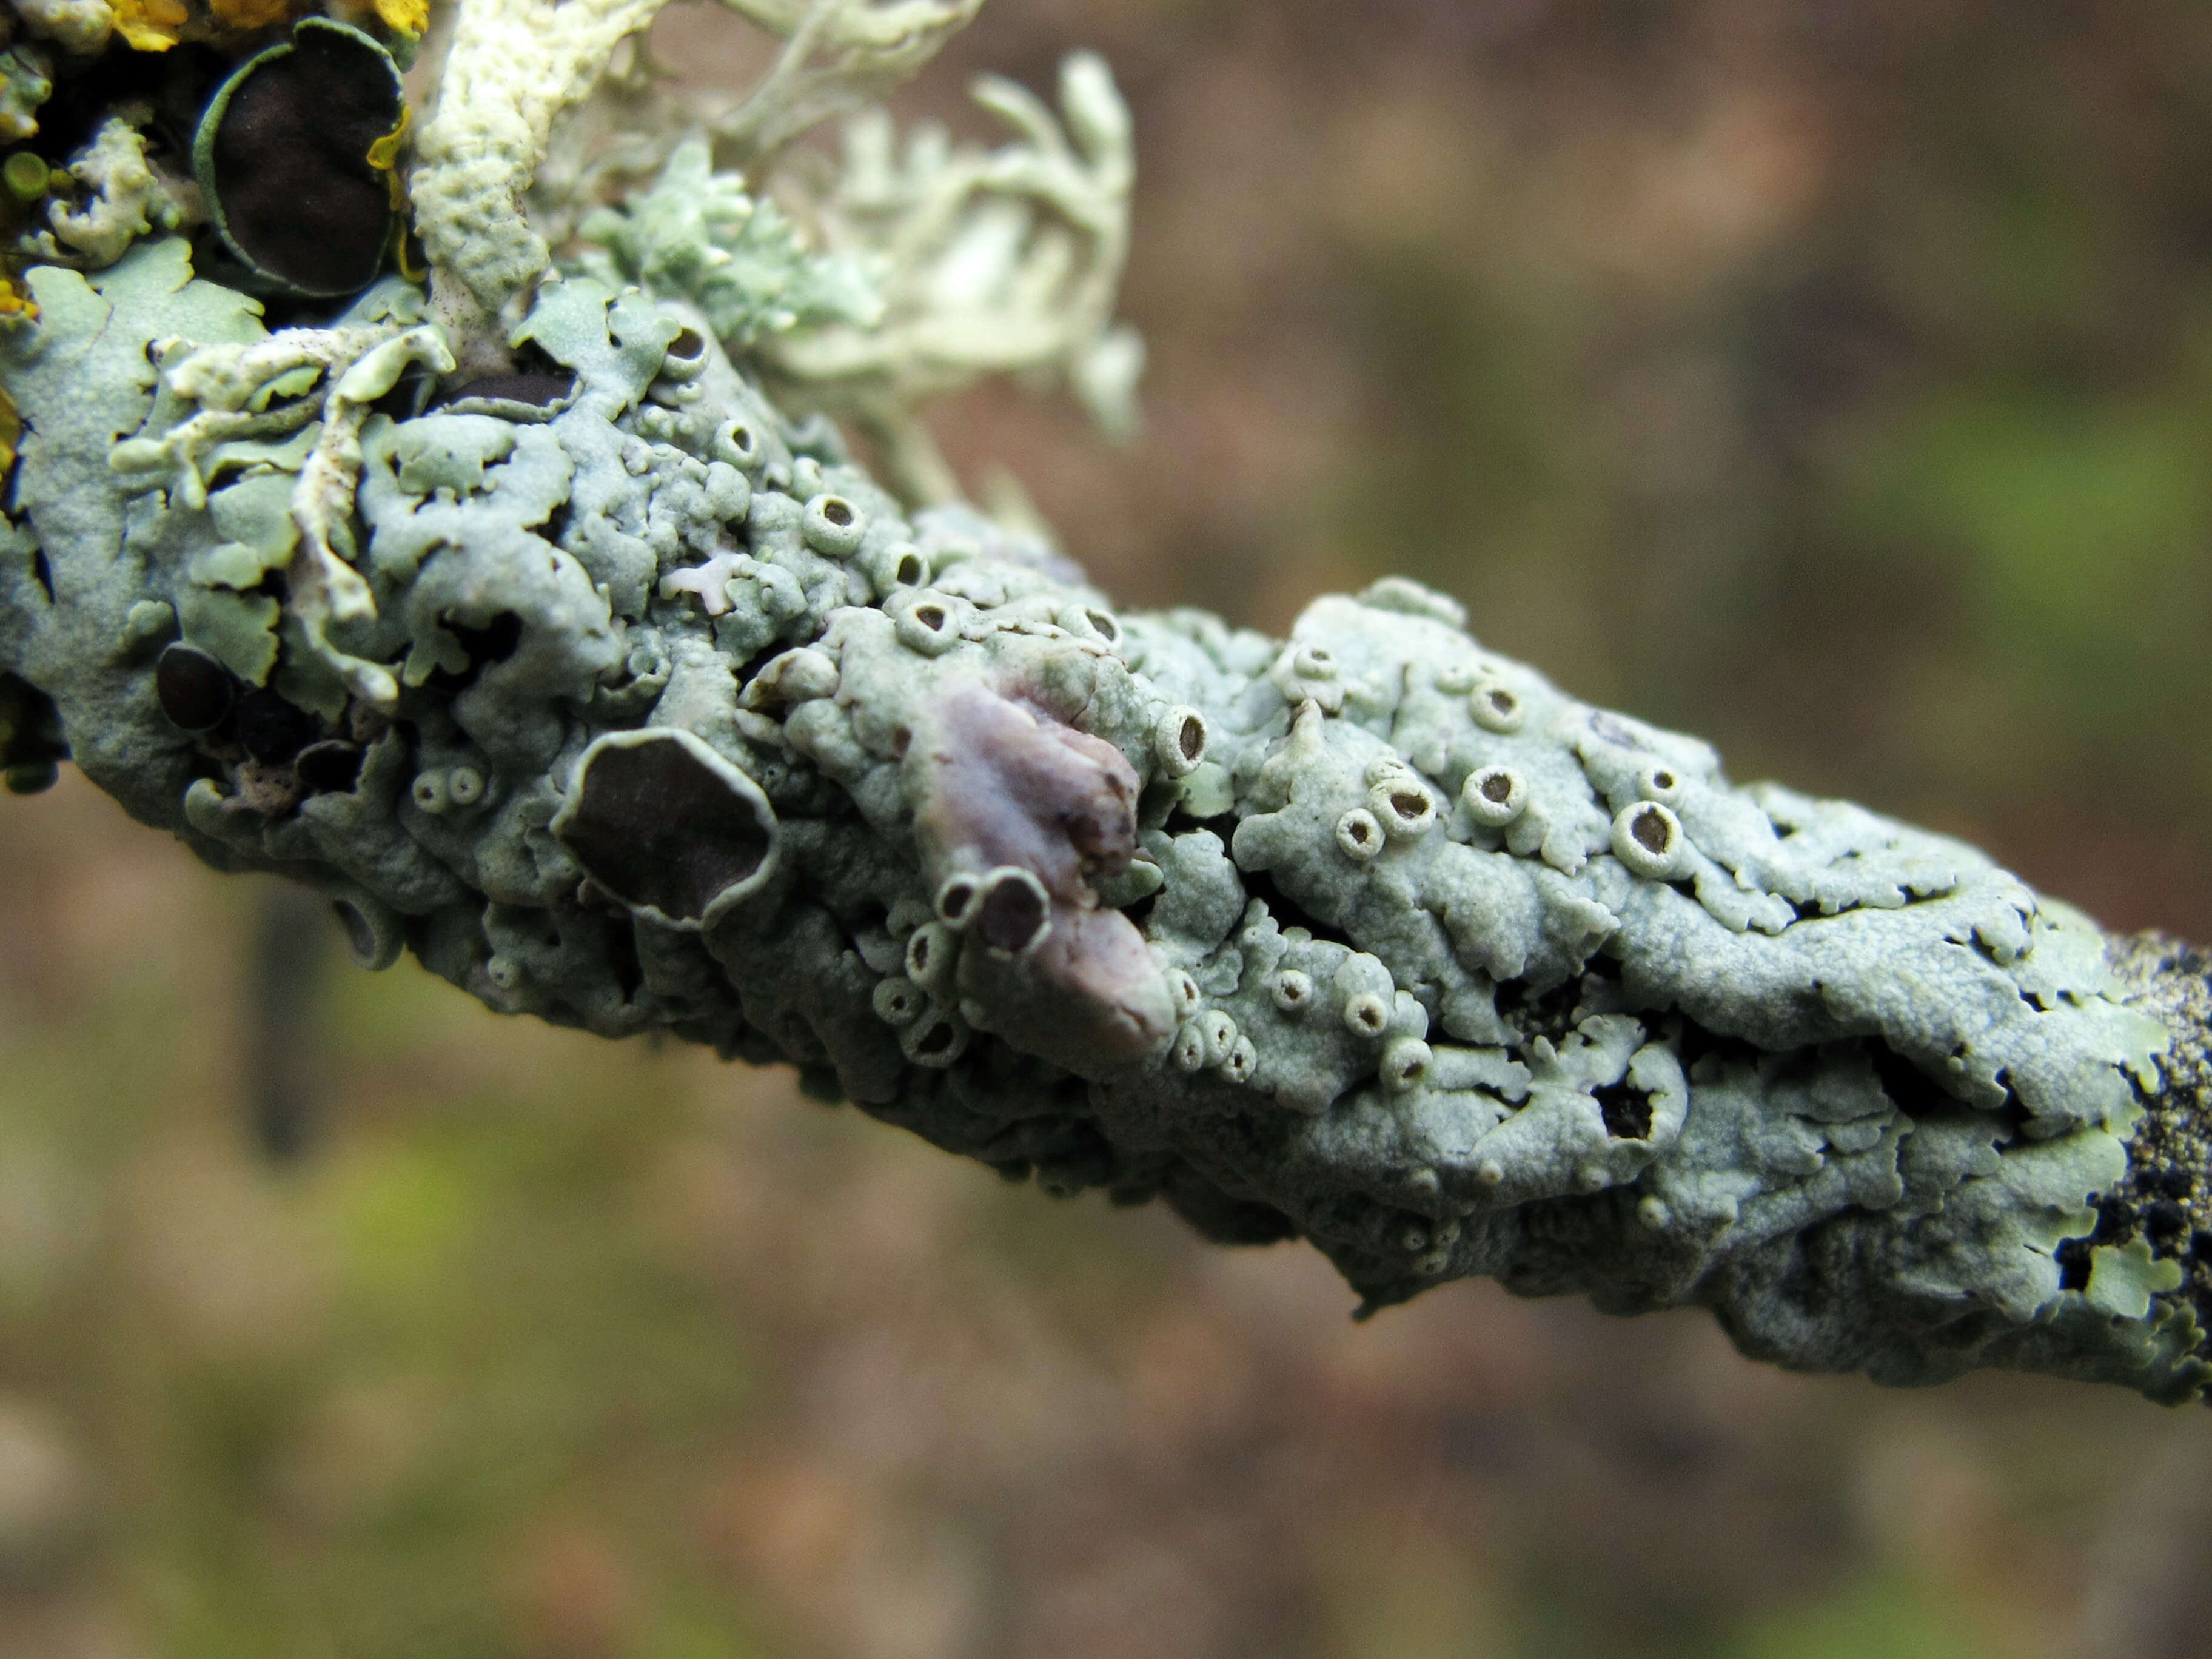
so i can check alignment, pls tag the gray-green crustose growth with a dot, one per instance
(619, 698)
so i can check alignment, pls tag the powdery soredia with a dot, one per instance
(619, 699)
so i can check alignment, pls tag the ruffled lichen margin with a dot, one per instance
(511, 611)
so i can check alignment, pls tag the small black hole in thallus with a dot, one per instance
(495, 641)
(1221, 824)
(271, 730)
(2073, 1265)
(1287, 912)
(555, 527)
(329, 769)
(410, 395)
(1626, 1111)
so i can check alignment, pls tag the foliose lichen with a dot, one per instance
(699, 235)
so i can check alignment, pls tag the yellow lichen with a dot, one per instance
(150, 25)
(407, 17)
(11, 429)
(406, 253)
(15, 307)
(242, 14)
(384, 156)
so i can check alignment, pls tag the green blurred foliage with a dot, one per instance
(1886, 1617)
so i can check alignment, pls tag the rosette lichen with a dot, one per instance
(617, 695)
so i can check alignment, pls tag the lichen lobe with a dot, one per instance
(660, 822)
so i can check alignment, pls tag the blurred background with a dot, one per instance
(1831, 378)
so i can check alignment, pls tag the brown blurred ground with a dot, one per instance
(1833, 379)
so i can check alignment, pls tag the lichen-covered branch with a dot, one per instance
(520, 618)
(1371, 936)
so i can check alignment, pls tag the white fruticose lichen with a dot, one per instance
(514, 66)
(76, 25)
(621, 697)
(937, 264)
(511, 68)
(125, 198)
(838, 55)
(993, 261)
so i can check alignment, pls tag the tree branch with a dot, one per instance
(619, 698)
(1371, 936)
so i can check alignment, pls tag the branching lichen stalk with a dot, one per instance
(838, 55)
(512, 66)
